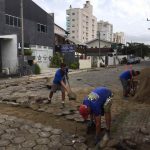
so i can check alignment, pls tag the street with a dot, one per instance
(26, 124)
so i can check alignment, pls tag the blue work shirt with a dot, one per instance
(59, 76)
(96, 99)
(126, 75)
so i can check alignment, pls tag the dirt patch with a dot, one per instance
(143, 92)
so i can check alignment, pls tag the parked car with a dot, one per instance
(133, 60)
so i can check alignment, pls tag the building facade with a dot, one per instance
(119, 37)
(81, 24)
(106, 30)
(38, 28)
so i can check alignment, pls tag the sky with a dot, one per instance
(128, 16)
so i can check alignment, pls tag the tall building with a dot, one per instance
(119, 37)
(106, 30)
(81, 24)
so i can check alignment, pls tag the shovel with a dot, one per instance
(71, 95)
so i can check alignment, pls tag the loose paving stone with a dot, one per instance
(81, 120)
(48, 128)
(11, 131)
(18, 140)
(41, 141)
(55, 138)
(44, 134)
(66, 112)
(29, 144)
(55, 145)
(69, 117)
(2, 120)
(1, 132)
(4, 142)
(31, 136)
(38, 125)
(33, 130)
(67, 142)
(67, 148)
(7, 136)
(56, 131)
(41, 147)
(80, 146)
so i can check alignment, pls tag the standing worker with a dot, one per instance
(59, 83)
(126, 79)
(97, 104)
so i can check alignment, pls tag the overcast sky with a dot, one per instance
(128, 16)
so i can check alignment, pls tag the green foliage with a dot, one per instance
(56, 60)
(137, 49)
(28, 52)
(37, 69)
(74, 65)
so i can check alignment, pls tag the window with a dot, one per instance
(73, 13)
(42, 28)
(73, 19)
(12, 20)
(73, 31)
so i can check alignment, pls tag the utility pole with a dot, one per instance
(99, 37)
(22, 30)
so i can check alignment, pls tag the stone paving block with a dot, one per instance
(18, 140)
(55, 145)
(37, 125)
(2, 120)
(33, 130)
(41, 147)
(67, 148)
(48, 128)
(80, 146)
(29, 144)
(7, 136)
(55, 138)
(44, 134)
(4, 142)
(42, 141)
(56, 131)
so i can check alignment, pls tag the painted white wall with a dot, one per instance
(9, 52)
(42, 55)
(85, 63)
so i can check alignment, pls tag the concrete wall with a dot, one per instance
(85, 63)
(9, 52)
(42, 56)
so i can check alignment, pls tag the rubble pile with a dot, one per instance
(143, 91)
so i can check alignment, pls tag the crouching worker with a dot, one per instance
(97, 104)
(129, 82)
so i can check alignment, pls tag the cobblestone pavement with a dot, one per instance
(20, 134)
(26, 92)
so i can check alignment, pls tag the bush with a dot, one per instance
(28, 52)
(37, 69)
(74, 65)
(56, 60)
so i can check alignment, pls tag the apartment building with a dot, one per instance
(106, 30)
(81, 24)
(38, 33)
(119, 37)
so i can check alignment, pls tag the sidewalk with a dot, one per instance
(51, 73)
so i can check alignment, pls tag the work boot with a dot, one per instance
(49, 101)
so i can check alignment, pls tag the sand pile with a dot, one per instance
(143, 91)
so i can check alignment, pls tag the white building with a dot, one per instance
(119, 37)
(106, 30)
(81, 24)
